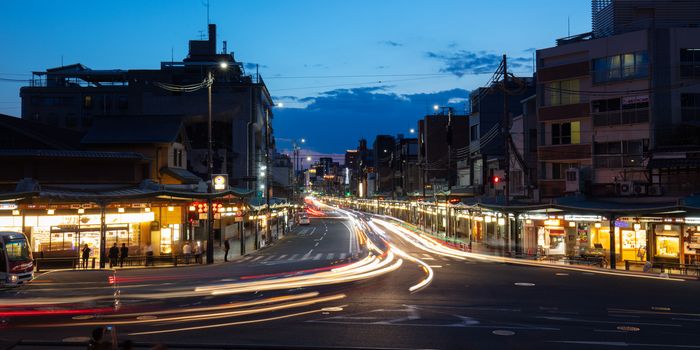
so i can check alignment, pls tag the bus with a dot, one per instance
(16, 263)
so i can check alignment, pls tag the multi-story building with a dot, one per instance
(436, 156)
(73, 96)
(384, 158)
(618, 107)
(486, 149)
(523, 151)
(406, 170)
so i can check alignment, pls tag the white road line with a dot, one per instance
(316, 245)
(309, 253)
(293, 257)
(268, 258)
(282, 256)
(330, 256)
(257, 258)
(318, 256)
(342, 256)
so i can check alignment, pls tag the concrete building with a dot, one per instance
(617, 107)
(433, 148)
(523, 152)
(384, 157)
(74, 96)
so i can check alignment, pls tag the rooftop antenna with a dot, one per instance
(207, 5)
(61, 60)
(172, 56)
(201, 34)
(224, 47)
(568, 26)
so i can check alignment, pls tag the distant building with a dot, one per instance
(384, 157)
(74, 96)
(433, 150)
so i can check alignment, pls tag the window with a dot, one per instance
(620, 111)
(620, 154)
(690, 63)
(17, 250)
(566, 133)
(559, 170)
(563, 92)
(690, 107)
(87, 101)
(621, 67)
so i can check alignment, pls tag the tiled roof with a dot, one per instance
(50, 153)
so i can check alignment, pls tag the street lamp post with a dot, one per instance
(210, 169)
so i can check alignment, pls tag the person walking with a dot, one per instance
(149, 254)
(227, 247)
(187, 252)
(113, 255)
(86, 255)
(124, 253)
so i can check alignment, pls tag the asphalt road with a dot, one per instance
(469, 304)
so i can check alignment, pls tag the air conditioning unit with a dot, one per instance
(625, 188)
(655, 190)
(639, 189)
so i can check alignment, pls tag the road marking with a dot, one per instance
(524, 284)
(293, 257)
(316, 245)
(269, 257)
(342, 256)
(282, 256)
(561, 274)
(257, 258)
(330, 256)
(628, 328)
(318, 256)
(309, 253)
(435, 266)
(503, 332)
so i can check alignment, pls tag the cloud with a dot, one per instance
(252, 66)
(335, 120)
(391, 43)
(463, 62)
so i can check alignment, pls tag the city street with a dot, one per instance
(468, 304)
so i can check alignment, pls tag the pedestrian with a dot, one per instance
(149, 254)
(124, 253)
(187, 252)
(227, 247)
(113, 255)
(197, 254)
(86, 256)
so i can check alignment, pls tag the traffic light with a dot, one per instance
(497, 180)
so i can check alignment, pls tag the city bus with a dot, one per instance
(16, 263)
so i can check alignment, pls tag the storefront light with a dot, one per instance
(551, 222)
(528, 221)
(501, 221)
(192, 208)
(572, 224)
(50, 212)
(81, 211)
(597, 225)
(667, 227)
(147, 209)
(171, 208)
(487, 219)
(637, 226)
(121, 210)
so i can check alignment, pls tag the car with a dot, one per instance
(304, 220)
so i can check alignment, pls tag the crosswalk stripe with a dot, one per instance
(257, 258)
(269, 257)
(342, 256)
(293, 257)
(318, 256)
(246, 258)
(330, 256)
(282, 256)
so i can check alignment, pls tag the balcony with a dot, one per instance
(565, 71)
(562, 112)
(564, 152)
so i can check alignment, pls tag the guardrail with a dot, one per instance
(664, 267)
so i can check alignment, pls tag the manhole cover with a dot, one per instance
(628, 328)
(503, 332)
(524, 284)
(76, 340)
(83, 317)
(146, 317)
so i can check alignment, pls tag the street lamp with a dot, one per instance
(412, 131)
(210, 168)
(308, 158)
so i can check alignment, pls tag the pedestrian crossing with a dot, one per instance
(266, 258)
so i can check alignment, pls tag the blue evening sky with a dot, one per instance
(343, 69)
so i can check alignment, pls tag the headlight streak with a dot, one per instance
(430, 245)
(237, 323)
(430, 274)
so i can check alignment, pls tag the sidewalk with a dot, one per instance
(480, 252)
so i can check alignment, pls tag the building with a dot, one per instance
(523, 152)
(617, 107)
(486, 150)
(384, 158)
(437, 163)
(406, 169)
(74, 96)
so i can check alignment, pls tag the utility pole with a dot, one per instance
(210, 171)
(267, 173)
(506, 149)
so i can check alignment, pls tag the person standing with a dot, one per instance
(113, 255)
(187, 251)
(149, 254)
(86, 255)
(227, 247)
(124, 253)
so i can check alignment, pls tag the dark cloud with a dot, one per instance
(391, 43)
(334, 120)
(249, 66)
(463, 62)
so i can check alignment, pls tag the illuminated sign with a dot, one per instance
(219, 182)
(551, 222)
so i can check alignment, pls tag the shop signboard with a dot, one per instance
(8, 206)
(219, 182)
